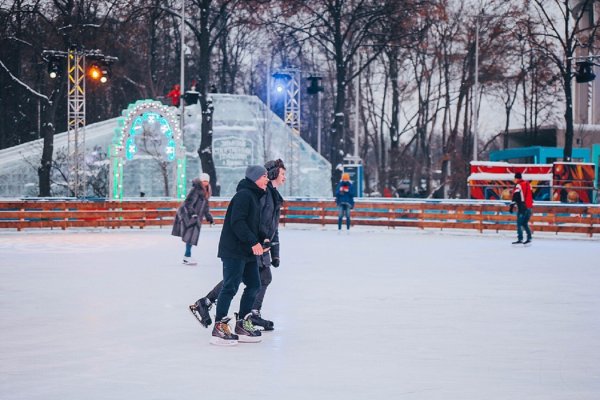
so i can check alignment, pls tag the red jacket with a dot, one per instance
(174, 95)
(522, 194)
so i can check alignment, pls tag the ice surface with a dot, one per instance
(377, 313)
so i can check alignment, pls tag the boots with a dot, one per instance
(221, 334)
(257, 320)
(246, 331)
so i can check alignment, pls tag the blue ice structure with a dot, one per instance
(244, 132)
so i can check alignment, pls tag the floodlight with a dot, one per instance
(53, 69)
(94, 72)
(584, 72)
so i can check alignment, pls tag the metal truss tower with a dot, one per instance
(292, 99)
(292, 118)
(76, 123)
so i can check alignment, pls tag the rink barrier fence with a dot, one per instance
(439, 214)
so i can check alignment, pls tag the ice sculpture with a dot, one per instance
(244, 132)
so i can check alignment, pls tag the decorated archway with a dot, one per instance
(155, 122)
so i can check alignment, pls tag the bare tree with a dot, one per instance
(340, 28)
(558, 33)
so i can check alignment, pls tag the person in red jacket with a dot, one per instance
(523, 199)
(175, 95)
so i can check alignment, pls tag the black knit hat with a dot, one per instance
(518, 175)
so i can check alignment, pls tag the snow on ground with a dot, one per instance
(377, 313)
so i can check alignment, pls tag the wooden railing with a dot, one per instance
(547, 217)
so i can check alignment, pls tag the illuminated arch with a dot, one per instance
(123, 146)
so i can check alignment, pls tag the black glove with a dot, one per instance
(266, 245)
(210, 219)
(511, 209)
(275, 262)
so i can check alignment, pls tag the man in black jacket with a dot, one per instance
(269, 231)
(239, 245)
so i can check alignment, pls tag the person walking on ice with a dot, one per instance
(269, 229)
(188, 219)
(239, 245)
(344, 200)
(523, 199)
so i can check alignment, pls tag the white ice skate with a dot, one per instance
(189, 261)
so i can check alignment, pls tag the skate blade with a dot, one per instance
(249, 339)
(197, 316)
(217, 341)
(189, 263)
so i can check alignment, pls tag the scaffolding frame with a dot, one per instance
(76, 122)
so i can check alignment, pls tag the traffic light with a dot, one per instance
(53, 69)
(584, 72)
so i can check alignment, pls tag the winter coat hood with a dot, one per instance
(248, 184)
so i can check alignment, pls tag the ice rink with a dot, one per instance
(374, 314)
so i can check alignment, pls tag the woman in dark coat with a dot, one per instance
(188, 219)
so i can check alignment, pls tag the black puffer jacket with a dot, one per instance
(242, 220)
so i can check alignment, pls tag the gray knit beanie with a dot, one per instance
(253, 172)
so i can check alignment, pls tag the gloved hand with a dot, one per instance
(511, 209)
(275, 262)
(210, 219)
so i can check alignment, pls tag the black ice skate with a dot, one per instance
(527, 242)
(201, 309)
(246, 331)
(257, 320)
(518, 242)
(221, 334)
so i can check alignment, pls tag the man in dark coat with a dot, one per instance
(523, 199)
(344, 200)
(239, 245)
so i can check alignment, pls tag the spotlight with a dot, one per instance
(281, 81)
(53, 69)
(105, 73)
(94, 72)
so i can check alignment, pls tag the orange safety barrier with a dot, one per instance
(439, 214)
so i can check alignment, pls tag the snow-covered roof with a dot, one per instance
(486, 176)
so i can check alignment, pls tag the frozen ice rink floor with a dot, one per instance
(376, 314)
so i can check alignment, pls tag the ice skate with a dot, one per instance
(258, 321)
(246, 331)
(201, 309)
(517, 242)
(527, 243)
(189, 261)
(221, 334)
